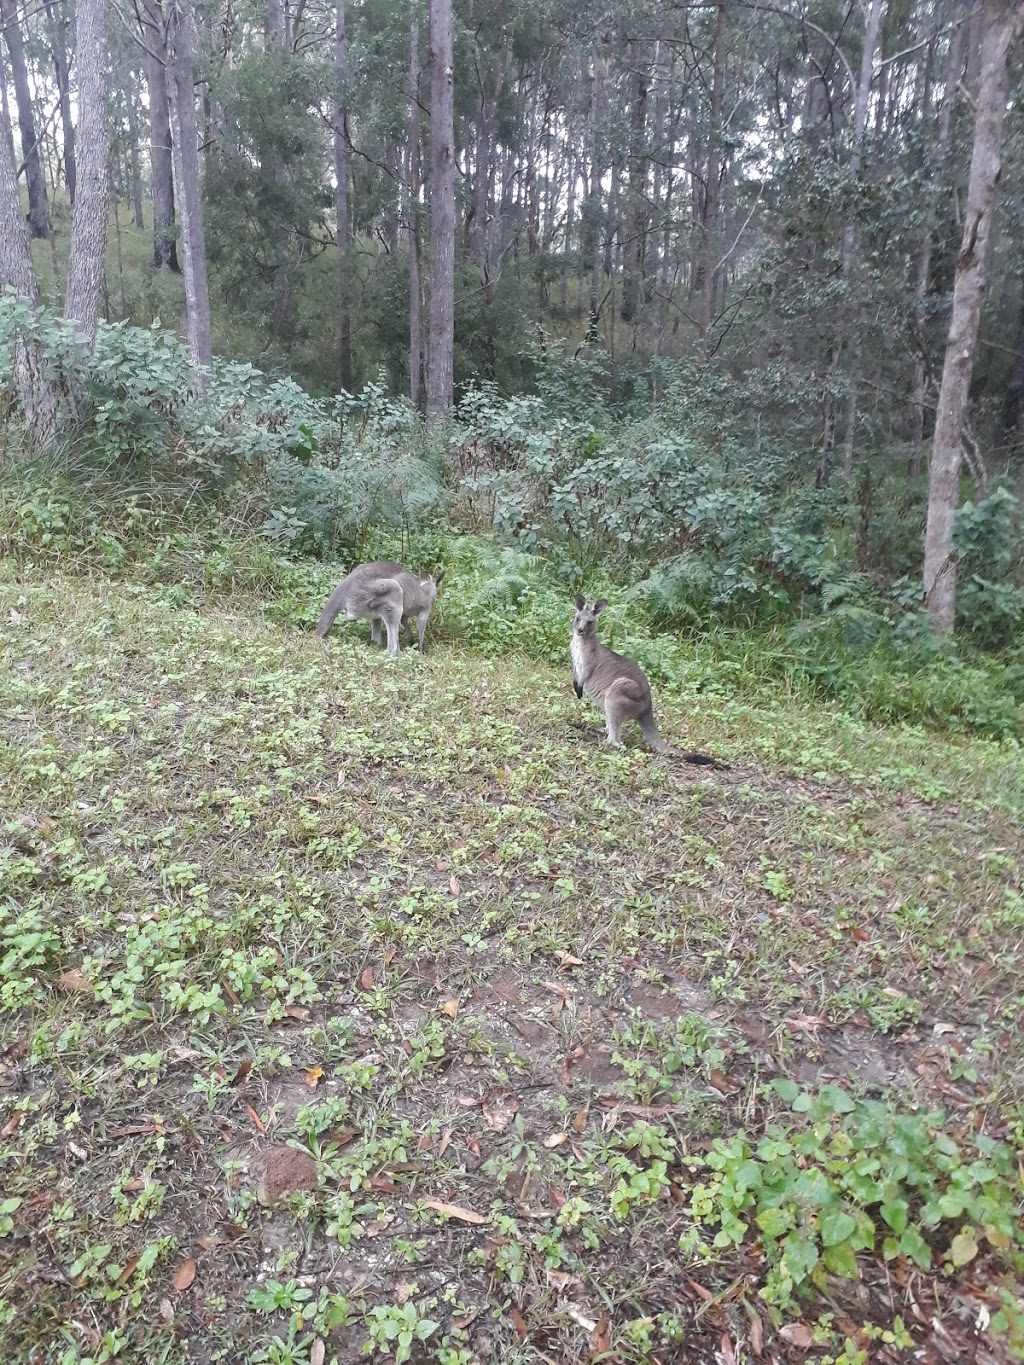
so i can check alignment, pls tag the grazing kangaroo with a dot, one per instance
(616, 684)
(386, 592)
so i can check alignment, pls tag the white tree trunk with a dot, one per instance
(341, 205)
(89, 222)
(38, 393)
(1003, 25)
(440, 360)
(185, 146)
(415, 338)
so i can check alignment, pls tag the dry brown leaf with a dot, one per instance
(242, 1071)
(12, 1124)
(389, 957)
(313, 1076)
(756, 1330)
(450, 1007)
(258, 1123)
(588, 1324)
(721, 1082)
(558, 990)
(728, 1354)
(797, 1334)
(166, 1310)
(296, 1012)
(128, 1271)
(601, 1340)
(76, 980)
(567, 959)
(446, 1138)
(229, 992)
(366, 980)
(454, 887)
(184, 1275)
(699, 1290)
(555, 1140)
(499, 1108)
(518, 1322)
(209, 1240)
(317, 1352)
(455, 1211)
(341, 777)
(460, 1324)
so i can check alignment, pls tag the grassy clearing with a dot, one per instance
(355, 1007)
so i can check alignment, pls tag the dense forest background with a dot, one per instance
(679, 291)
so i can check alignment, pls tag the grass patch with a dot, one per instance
(356, 1007)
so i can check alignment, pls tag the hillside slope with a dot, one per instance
(349, 1001)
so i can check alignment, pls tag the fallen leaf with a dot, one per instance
(209, 1240)
(602, 1337)
(860, 935)
(728, 1354)
(366, 980)
(944, 1028)
(76, 980)
(721, 1082)
(558, 990)
(12, 1124)
(699, 1290)
(341, 777)
(756, 1330)
(313, 1076)
(499, 1108)
(454, 887)
(797, 1334)
(317, 800)
(588, 1324)
(296, 1012)
(446, 1138)
(460, 1324)
(450, 1007)
(242, 1071)
(257, 1121)
(567, 959)
(555, 1140)
(389, 957)
(166, 1310)
(455, 1211)
(579, 1123)
(184, 1275)
(317, 1352)
(230, 994)
(518, 1322)
(128, 1271)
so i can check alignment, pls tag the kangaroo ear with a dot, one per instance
(437, 578)
(581, 601)
(599, 607)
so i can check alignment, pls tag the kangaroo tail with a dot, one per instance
(650, 729)
(706, 759)
(327, 617)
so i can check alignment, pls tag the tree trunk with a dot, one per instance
(713, 183)
(341, 205)
(632, 284)
(872, 21)
(57, 24)
(38, 208)
(1003, 24)
(155, 66)
(89, 222)
(133, 151)
(415, 338)
(1013, 391)
(954, 61)
(38, 393)
(440, 362)
(185, 143)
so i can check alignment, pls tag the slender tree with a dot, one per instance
(57, 29)
(185, 144)
(440, 360)
(38, 393)
(38, 208)
(89, 222)
(341, 203)
(415, 338)
(1002, 29)
(153, 27)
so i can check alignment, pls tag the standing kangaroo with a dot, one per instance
(616, 684)
(386, 592)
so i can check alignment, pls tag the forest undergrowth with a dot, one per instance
(356, 1007)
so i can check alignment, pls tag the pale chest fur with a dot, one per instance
(576, 650)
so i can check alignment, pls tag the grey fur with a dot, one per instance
(616, 684)
(382, 592)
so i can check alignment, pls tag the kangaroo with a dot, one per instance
(616, 684)
(386, 592)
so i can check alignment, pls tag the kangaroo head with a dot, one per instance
(431, 585)
(585, 623)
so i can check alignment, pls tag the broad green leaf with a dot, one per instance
(963, 1248)
(836, 1226)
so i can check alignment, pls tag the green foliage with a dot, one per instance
(859, 1177)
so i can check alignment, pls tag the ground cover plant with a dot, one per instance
(361, 1009)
